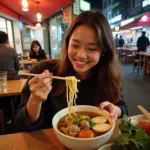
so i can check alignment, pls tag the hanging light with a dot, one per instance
(38, 25)
(25, 5)
(39, 17)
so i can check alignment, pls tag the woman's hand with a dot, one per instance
(114, 111)
(40, 86)
(33, 59)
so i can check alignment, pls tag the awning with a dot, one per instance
(13, 9)
(141, 20)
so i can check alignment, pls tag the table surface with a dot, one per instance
(14, 87)
(37, 140)
(127, 48)
(28, 62)
(143, 53)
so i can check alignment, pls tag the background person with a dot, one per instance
(8, 57)
(36, 53)
(142, 42)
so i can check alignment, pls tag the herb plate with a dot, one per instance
(105, 147)
(136, 119)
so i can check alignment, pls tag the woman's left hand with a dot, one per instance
(114, 111)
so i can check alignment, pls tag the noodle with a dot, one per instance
(71, 93)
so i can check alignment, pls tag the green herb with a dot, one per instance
(132, 137)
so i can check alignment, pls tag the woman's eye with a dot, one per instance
(92, 49)
(75, 46)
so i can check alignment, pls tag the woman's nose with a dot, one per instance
(81, 53)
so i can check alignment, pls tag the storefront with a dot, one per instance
(7, 26)
(60, 23)
(136, 25)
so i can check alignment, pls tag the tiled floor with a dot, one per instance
(136, 89)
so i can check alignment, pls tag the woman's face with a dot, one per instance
(83, 50)
(35, 48)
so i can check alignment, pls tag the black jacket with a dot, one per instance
(39, 57)
(142, 43)
(53, 104)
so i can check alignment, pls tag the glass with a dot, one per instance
(3, 81)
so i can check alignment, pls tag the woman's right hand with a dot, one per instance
(40, 86)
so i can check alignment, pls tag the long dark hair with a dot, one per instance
(35, 42)
(108, 79)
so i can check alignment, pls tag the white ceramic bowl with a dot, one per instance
(78, 143)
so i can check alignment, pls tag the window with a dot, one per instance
(132, 3)
(109, 16)
(137, 2)
(118, 12)
(104, 4)
(6, 26)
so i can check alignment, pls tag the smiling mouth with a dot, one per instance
(81, 62)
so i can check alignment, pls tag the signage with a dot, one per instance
(145, 3)
(76, 7)
(84, 5)
(127, 21)
(67, 15)
(115, 19)
(117, 28)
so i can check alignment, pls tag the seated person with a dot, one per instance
(36, 52)
(8, 57)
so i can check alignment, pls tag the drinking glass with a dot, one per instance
(3, 81)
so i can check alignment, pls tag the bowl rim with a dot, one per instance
(83, 139)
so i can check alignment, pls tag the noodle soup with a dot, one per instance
(84, 124)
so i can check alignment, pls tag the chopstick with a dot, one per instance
(54, 77)
(144, 111)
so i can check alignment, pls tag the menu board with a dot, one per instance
(26, 39)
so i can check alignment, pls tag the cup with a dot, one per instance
(3, 81)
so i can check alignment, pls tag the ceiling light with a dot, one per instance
(25, 5)
(38, 25)
(39, 17)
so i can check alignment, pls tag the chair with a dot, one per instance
(2, 124)
(13, 75)
(137, 63)
(130, 57)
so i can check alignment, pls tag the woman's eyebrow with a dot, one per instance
(75, 40)
(94, 44)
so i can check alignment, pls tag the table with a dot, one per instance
(36, 140)
(146, 61)
(126, 51)
(28, 62)
(14, 87)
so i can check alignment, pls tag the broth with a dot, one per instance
(84, 124)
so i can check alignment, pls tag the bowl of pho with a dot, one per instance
(85, 127)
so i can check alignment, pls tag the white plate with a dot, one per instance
(105, 147)
(136, 119)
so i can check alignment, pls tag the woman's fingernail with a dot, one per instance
(50, 74)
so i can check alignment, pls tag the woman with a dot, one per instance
(36, 53)
(88, 54)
